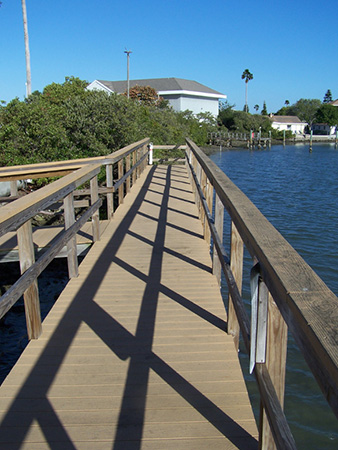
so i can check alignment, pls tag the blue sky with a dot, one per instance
(290, 46)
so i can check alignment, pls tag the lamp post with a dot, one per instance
(128, 55)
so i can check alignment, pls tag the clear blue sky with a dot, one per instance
(290, 46)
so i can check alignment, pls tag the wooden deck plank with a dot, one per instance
(134, 353)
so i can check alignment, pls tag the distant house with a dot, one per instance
(288, 123)
(181, 94)
(323, 129)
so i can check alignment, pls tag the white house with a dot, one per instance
(181, 94)
(323, 129)
(288, 123)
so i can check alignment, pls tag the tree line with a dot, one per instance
(66, 121)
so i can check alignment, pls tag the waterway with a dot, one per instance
(297, 190)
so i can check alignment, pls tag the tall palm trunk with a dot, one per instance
(28, 58)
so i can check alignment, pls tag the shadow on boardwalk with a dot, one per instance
(32, 405)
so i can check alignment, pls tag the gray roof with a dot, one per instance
(160, 84)
(286, 119)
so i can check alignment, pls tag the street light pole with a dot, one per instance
(128, 53)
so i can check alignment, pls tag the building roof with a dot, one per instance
(334, 103)
(165, 86)
(286, 119)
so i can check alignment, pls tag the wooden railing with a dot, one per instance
(127, 165)
(286, 294)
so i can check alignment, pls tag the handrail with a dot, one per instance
(130, 161)
(15, 214)
(58, 168)
(294, 292)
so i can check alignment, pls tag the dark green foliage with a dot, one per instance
(305, 109)
(242, 122)
(66, 121)
(264, 111)
(327, 97)
(327, 114)
(279, 134)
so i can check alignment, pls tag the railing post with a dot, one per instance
(94, 196)
(128, 168)
(193, 167)
(236, 266)
(68, 204)
(219, 217)
(120, 175)
(204, 190)
(110, 195)
(276, 349)
(31, 295)
(134, 162)
(14, 188)
(209, 199)
(145, 162)
(197, 197)
(151, 149)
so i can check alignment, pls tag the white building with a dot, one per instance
(324, 129)
(288, 123)
(181, 94)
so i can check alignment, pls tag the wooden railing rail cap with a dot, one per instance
(24, 208)
(56, 168)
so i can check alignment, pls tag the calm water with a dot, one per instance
(297, 191)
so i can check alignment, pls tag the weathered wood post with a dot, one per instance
(94, 196)
(14, 188)
(310, 149)
(31, 295)
(197, 199)
(138, 169)
(209, 199)
(204, 190)
(276, 349)
(134, 162)
(129, 178)
(120, 175)
(110, 195)
(236, 266)
(69, 216)
(219, 217)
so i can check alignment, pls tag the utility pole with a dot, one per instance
(128, 55)
(28, 62)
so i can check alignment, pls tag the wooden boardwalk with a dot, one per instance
(134, 353)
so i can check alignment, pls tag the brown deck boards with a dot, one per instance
(134, 354)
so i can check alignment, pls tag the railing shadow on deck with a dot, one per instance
(84, 310)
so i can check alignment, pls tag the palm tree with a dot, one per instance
(287, 103)
(247, 76)
(256, 107)
(28, 59)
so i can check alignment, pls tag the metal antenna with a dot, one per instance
(128, 55)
